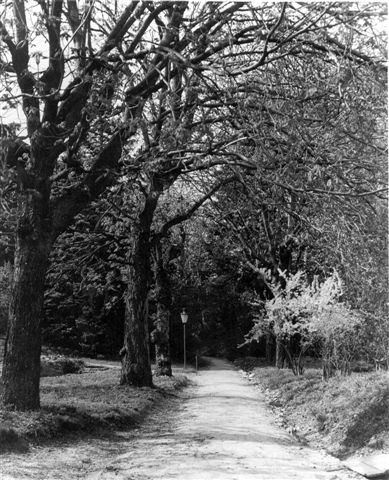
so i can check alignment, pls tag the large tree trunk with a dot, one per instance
(161, 334)
(136, 366)
(39, 224)
(21, 369)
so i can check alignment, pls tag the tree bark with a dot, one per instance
(161, 334)
(270, 348)
(136, 366)
(280, 355)
(21, 369)
(40, 221)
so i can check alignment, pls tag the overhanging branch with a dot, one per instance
(190, 211)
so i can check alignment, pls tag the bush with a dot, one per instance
(305, 316)
(52, 367)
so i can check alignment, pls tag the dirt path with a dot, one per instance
(220, 431)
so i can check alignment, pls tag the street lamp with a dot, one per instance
(184, 319)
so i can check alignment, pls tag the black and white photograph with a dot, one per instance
(194, 240)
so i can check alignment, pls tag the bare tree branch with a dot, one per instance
(189, 212)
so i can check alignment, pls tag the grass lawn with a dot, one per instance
(343, 415)
(85, 402)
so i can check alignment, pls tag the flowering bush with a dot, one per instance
(306, 315)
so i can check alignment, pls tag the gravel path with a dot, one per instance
(220, 430)
(223, 431)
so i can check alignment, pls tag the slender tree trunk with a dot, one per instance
(21, 369)
(161, 333)
(270, 348)
(136, 366)
(328, 367)
(162, 345)
(280, 355)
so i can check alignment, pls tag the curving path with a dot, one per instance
(222, 431)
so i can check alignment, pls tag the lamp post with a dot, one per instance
(184, 319)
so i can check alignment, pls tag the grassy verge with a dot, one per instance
(82, 403)
(343, 415)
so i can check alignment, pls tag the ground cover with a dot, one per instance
(344, 415)
(83, 403)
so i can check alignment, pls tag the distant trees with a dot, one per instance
(85, 285)
(316, 180)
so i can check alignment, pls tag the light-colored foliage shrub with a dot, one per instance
(306, 315)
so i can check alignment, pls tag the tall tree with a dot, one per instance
(79, 116)
(162, 280)
(193, 123)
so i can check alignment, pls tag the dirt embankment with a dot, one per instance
(346, 415)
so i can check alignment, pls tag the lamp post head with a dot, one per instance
(184, 316)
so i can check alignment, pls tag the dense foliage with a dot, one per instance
(84, 306)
